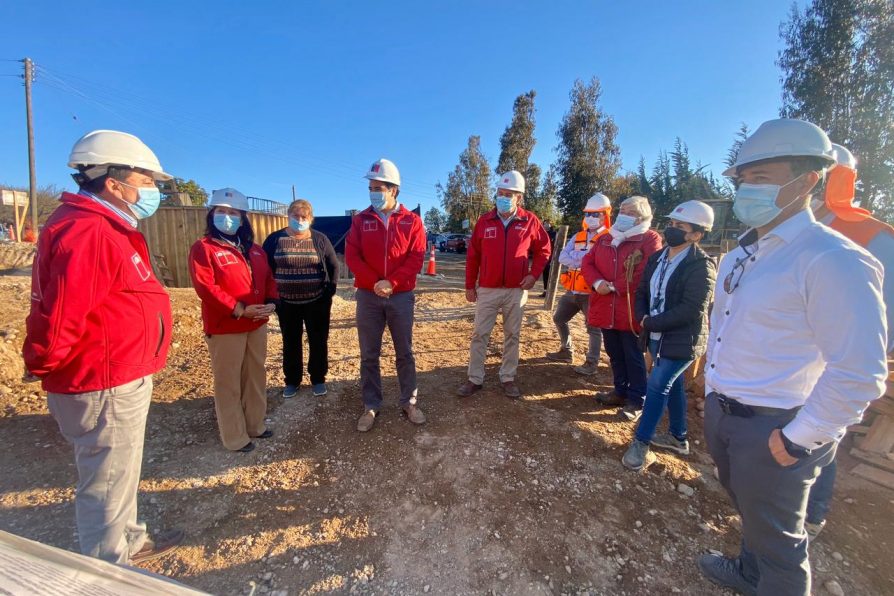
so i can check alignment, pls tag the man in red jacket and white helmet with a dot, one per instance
(99, 327)
(497, 262)
(384, 250)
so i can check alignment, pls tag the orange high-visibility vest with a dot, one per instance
(573, 279)
(862, 232)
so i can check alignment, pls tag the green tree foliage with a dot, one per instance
(733, 152)
(435, 220)
(838, 72)
(468, 192)
(588, 157)
(517, 141)
(198, 196)
(541, 198)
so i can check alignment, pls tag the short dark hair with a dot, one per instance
(97, 185)
(802, 164)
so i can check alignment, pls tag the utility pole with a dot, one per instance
(32, 175)
(293, 192)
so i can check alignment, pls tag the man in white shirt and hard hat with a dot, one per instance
(795, 354)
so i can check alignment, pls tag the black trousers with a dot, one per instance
(293, 319)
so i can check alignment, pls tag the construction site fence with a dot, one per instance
(172, 231)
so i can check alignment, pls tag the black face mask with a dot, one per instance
(674, 236)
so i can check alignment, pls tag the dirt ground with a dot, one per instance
(490, 496)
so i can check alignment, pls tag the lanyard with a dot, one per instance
(658, 300)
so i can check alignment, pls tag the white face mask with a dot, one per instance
(594, 222)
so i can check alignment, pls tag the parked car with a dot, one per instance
(457, 243)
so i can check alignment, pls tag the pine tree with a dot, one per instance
(517, 141)
(838, 72)
(468, 191)
(588, 157)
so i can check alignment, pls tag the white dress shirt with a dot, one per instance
(805, 327)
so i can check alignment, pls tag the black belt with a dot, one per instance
(736, 408)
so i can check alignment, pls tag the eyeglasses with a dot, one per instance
(734, 277)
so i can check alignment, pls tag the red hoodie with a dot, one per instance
(221, 277)
(99, 317)
(498, 254)
(374, 252)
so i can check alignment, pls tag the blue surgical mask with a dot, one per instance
(624, 222)
(504, 204)
(227, 224)
(377, 200)
(298, 226)
(755, 204)
(147, 203)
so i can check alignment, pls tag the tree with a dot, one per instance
(588, 157)
(517, 141)
(435, 220)
(540, 200)
(838, 72)
(733, 152)
(468, 191)
(198, 197)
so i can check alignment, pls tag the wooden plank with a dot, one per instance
(875, 475)
(858, 429)
(552, 284)
(877, 460)
(880, 438)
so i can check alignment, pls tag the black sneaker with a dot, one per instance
(672, 443)
(725, 572)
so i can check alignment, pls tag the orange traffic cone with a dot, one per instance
(430, 270)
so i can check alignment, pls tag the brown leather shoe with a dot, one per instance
(468, 388)
(610, 399)
(511, 390)
(164, 543)
(414, 414)
(366, 421)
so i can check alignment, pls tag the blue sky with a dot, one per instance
(263, 95)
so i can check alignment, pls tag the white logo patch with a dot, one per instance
(225, 257)
(140, 265)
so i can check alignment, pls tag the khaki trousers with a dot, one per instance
(240, 384)
(510, 302)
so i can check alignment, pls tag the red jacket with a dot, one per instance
(222, 277)
(604, 261)
(498, 255)
(99, 317)
(374, 252)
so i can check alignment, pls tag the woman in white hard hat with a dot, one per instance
(231, 275)
(672, 307)
(305, 268)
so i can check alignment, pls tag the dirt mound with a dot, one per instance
(16, 255)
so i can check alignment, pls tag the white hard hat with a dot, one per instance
(598, 202)
(784, 137)
(96, 151)
(384, 170)
(228, 197)
(694, 212)
(512, 180)
(843, 157)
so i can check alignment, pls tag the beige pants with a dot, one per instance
(511, 302)
(240, 384)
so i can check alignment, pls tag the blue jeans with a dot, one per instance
(628, 365)
(820, 497)
(664, 389)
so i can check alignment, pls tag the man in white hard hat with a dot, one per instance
(99, 327)
(498, 278)
(384, 249)
(836, 209)
(596, 216)
(796, 351)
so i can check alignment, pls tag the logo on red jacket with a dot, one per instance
(142, 269)
(370, 225)
(490, 232)
(225, 257)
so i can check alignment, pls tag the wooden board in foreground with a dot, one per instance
(875, 475)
